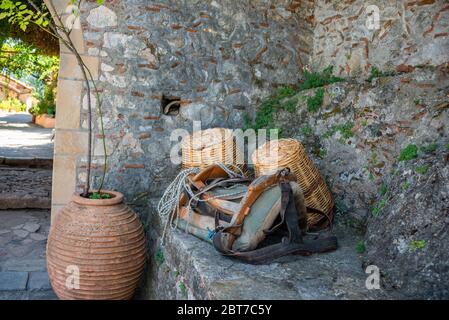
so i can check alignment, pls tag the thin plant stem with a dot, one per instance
(87, 76)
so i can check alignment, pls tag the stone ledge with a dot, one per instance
(23, 187)
(23, 201)
(28, 295)
(12, 281)
(38, 280)
(193, 269)
(28, 162)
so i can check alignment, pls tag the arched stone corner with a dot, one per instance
(70, 141)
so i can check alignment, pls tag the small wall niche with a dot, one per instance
(170, 105)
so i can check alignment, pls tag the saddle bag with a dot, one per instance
(238, 216)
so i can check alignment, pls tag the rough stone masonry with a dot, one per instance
(214, 61)
(217, 58)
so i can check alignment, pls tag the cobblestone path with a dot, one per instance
(23, 238)
(25, 196)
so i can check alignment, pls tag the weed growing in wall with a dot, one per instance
(307, 130)
(421, 169)
(159, 256)
(264, 115)
(383, 189)
(319, 79)
(345, 130)
(429, 148)
(376, 73)
(314, 102)
(417, 245)
(377, 208)
(360, 247)
(408, 153)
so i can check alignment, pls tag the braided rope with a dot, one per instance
(168, 204)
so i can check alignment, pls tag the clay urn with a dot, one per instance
(96, 249)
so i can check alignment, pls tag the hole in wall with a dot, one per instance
(170, 105)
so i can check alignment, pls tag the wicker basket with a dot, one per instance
(210, 146)
(290, 153)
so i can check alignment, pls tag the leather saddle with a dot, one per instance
(238, 215)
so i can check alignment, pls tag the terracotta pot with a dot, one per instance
(104, 240)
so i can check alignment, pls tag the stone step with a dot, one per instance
(24, 201)
(190, 268)
(23, 188)
(28, 295)
(24, 265)
(13, 280)
(23, 280)
(27, 162)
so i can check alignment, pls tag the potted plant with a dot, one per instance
(96, 246)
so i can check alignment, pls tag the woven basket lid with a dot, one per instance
(207, 138)
(278, 152)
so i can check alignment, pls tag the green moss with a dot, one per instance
(315, 102)
(405, 186)
(340, 207)
(322, 153)
(408, 153)
(344, 129)
(146, 226)
(360, 247)
(183, 289)
(278, 101)
(306, 130)
(319, 79)
(376, 73)
(378, 207)
(417, 245)
(429, 148)
(421, 169)
(364, 122)
(264, 115)
(159, 256)
(290, 105)
(383, 189)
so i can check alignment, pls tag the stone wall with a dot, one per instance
(357, 139)
(218, 58)
(356, 136)
(410, 33)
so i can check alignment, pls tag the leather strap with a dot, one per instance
(293, 244)
(285, 197)
(205, 209)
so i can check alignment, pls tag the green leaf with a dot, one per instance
(39, 21)
(100, 1)
(360, 247)
(408, 153)
(3, 15)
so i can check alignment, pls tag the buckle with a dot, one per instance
(193, 203)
